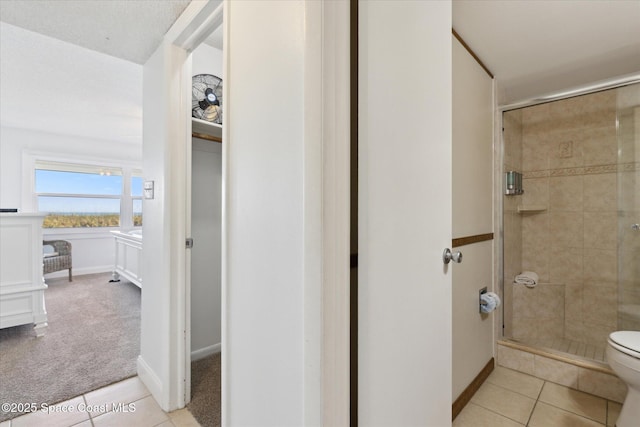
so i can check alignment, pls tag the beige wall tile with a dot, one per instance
(566, 193)
(600, 230)
(603, 385)
(504, 402)
(564, 150)
(573, 302)
(550, 302)
(535, 153)
(515, 359)
(600, 306)
(536, 191)
(629, 182)
(600, 146)
(574, 401)
(565, 265)
(600, 193)
(537, 117)
(597, 333)
(566, 229)
(601, 266)
(556, 371)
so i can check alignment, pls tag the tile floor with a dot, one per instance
(124, 404)
(509, 399)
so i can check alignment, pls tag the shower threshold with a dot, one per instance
(564, 350)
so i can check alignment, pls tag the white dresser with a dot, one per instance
(21, 283)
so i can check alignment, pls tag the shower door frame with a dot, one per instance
(499, 183)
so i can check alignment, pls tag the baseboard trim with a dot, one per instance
(79, 271)
(471, 389)
(152, 381)
(201, 353)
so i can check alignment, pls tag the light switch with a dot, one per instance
(148, 189)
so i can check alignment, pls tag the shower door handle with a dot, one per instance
(448, 256)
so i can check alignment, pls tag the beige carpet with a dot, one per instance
(93, 340)
(205, 391)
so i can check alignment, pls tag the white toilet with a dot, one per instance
(623, 355)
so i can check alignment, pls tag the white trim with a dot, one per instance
(335, 173)
(150, 379)
(575, 91)
(201, 353)
(326, 213)
(80, 271)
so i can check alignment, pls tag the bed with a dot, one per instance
(127, 259)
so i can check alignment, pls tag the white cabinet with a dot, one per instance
(21, 283)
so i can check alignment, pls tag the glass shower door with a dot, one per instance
(628, 134)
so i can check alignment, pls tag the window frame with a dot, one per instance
(31, 162)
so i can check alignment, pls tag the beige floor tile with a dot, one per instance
(575, 401)
(504, 402)
(62, 414)
(166, 424)
(476, 416)
(144, 413)
(546, 416)
(516, 381)
(5, 423)
(613, 412)
(183, 418)
(102, 400)
(84, 424)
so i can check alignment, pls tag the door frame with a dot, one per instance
(326, 207)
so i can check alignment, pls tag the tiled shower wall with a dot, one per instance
(569, 160)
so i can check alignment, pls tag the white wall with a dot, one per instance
(65, 102)
(472, 215)
(207, 60)
(206, 211)
(264, 319)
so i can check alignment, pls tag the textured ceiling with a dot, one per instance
(537, 47)
(126, 29)
(53, 86)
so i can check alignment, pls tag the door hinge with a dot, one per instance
(189, 242)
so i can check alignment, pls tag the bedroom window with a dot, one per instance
(86, 196)
(136, 197)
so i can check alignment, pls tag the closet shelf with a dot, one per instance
(531, 208)
(206, 130)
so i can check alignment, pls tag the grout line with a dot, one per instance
(497, 413)
(512, 391)
(575, 413)
(531, 414)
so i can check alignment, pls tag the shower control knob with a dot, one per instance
(635, 227)
(448, 256)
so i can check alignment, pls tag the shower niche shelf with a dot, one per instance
(531, 208)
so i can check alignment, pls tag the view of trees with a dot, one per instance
(86, 220)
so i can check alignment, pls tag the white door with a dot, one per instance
(404, 345)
